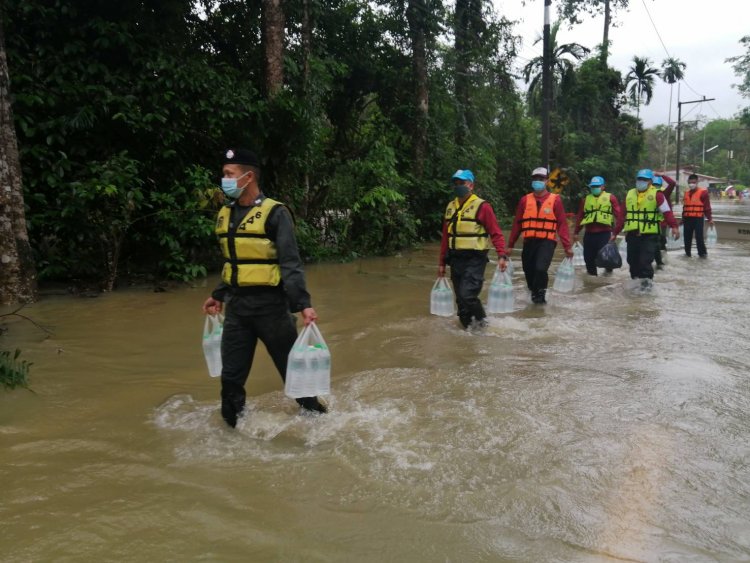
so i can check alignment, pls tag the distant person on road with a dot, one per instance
(695, 205)
(540, 218)
(645, 207)
(262, 282)
(598, 212)
(469, 227)
(667, 191)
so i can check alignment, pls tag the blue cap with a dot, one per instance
(596, 181)
(657, 181)
(463, 175)
(645, 173)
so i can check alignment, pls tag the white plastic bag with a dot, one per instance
(565, 276)
(500, 295)
(578, 259)
(441, 298)
(623, 246)
(711, 237)
(308, 369)
(675, 243)
(212, 331)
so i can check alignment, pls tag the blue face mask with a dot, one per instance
(538, 185)
(596, 191)
(229, 186)
(460, 190)
(641, 185)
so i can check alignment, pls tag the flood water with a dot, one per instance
(606, 426)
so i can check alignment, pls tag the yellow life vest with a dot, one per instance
(250, 256)
(642, 214)
(539, 221)
(598, 209)
(464, 231)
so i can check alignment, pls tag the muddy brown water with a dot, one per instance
(608, 426)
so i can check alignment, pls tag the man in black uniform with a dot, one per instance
(262, 282)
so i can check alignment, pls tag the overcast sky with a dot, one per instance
(700, 34)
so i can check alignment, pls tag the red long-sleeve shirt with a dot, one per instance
(668, 194)
(706, 201)
(562, 223)
(661, 203)
(597, 227)
(486, 218)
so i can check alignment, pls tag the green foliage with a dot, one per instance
(13, 372)
(124, 108)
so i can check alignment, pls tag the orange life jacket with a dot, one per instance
(692, 206)
(539, 221)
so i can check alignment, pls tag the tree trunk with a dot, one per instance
(605, 38)
(17, 271)
(307, 28)
(273, 28)
(415, 14)
(669, 126)
(461, 74)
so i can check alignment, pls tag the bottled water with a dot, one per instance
(578, 259)
(446, 302)
(623, 247)
(500, 297)
(441, 298)
(675, 244)
(212, 334)
(308, 372)
(565, 276)
(506, 294)
(711, 238)
(509, 267)
(322, 375)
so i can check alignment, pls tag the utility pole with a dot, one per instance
(546, 84)
(679, 123)
(730, 151)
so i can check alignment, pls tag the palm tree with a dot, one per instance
(639, 82)
(561, 65)
(672, 70)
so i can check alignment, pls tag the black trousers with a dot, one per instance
(592, 244)
(641, 251)
(692, 225)
(536, 258)
(467, 276)
(662, 246)
(277, 331)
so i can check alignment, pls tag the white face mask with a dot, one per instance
(692, 186)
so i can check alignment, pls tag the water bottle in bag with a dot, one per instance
(565, 276)
(623, 247)
(213, 329)
(711, 237)
(578, 259)
(308, 372)
(500, 298)
(441, 298)
(675, 244)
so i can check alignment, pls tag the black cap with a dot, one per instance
(241, 156)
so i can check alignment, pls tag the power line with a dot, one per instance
(670, 56)
(656, 30)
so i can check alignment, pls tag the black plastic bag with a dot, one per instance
(609, 257)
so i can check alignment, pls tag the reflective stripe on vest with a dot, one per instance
(250, 256)
(598, 209)
(539, 222)
(644, 217)
(692, 206)
(464, 231)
